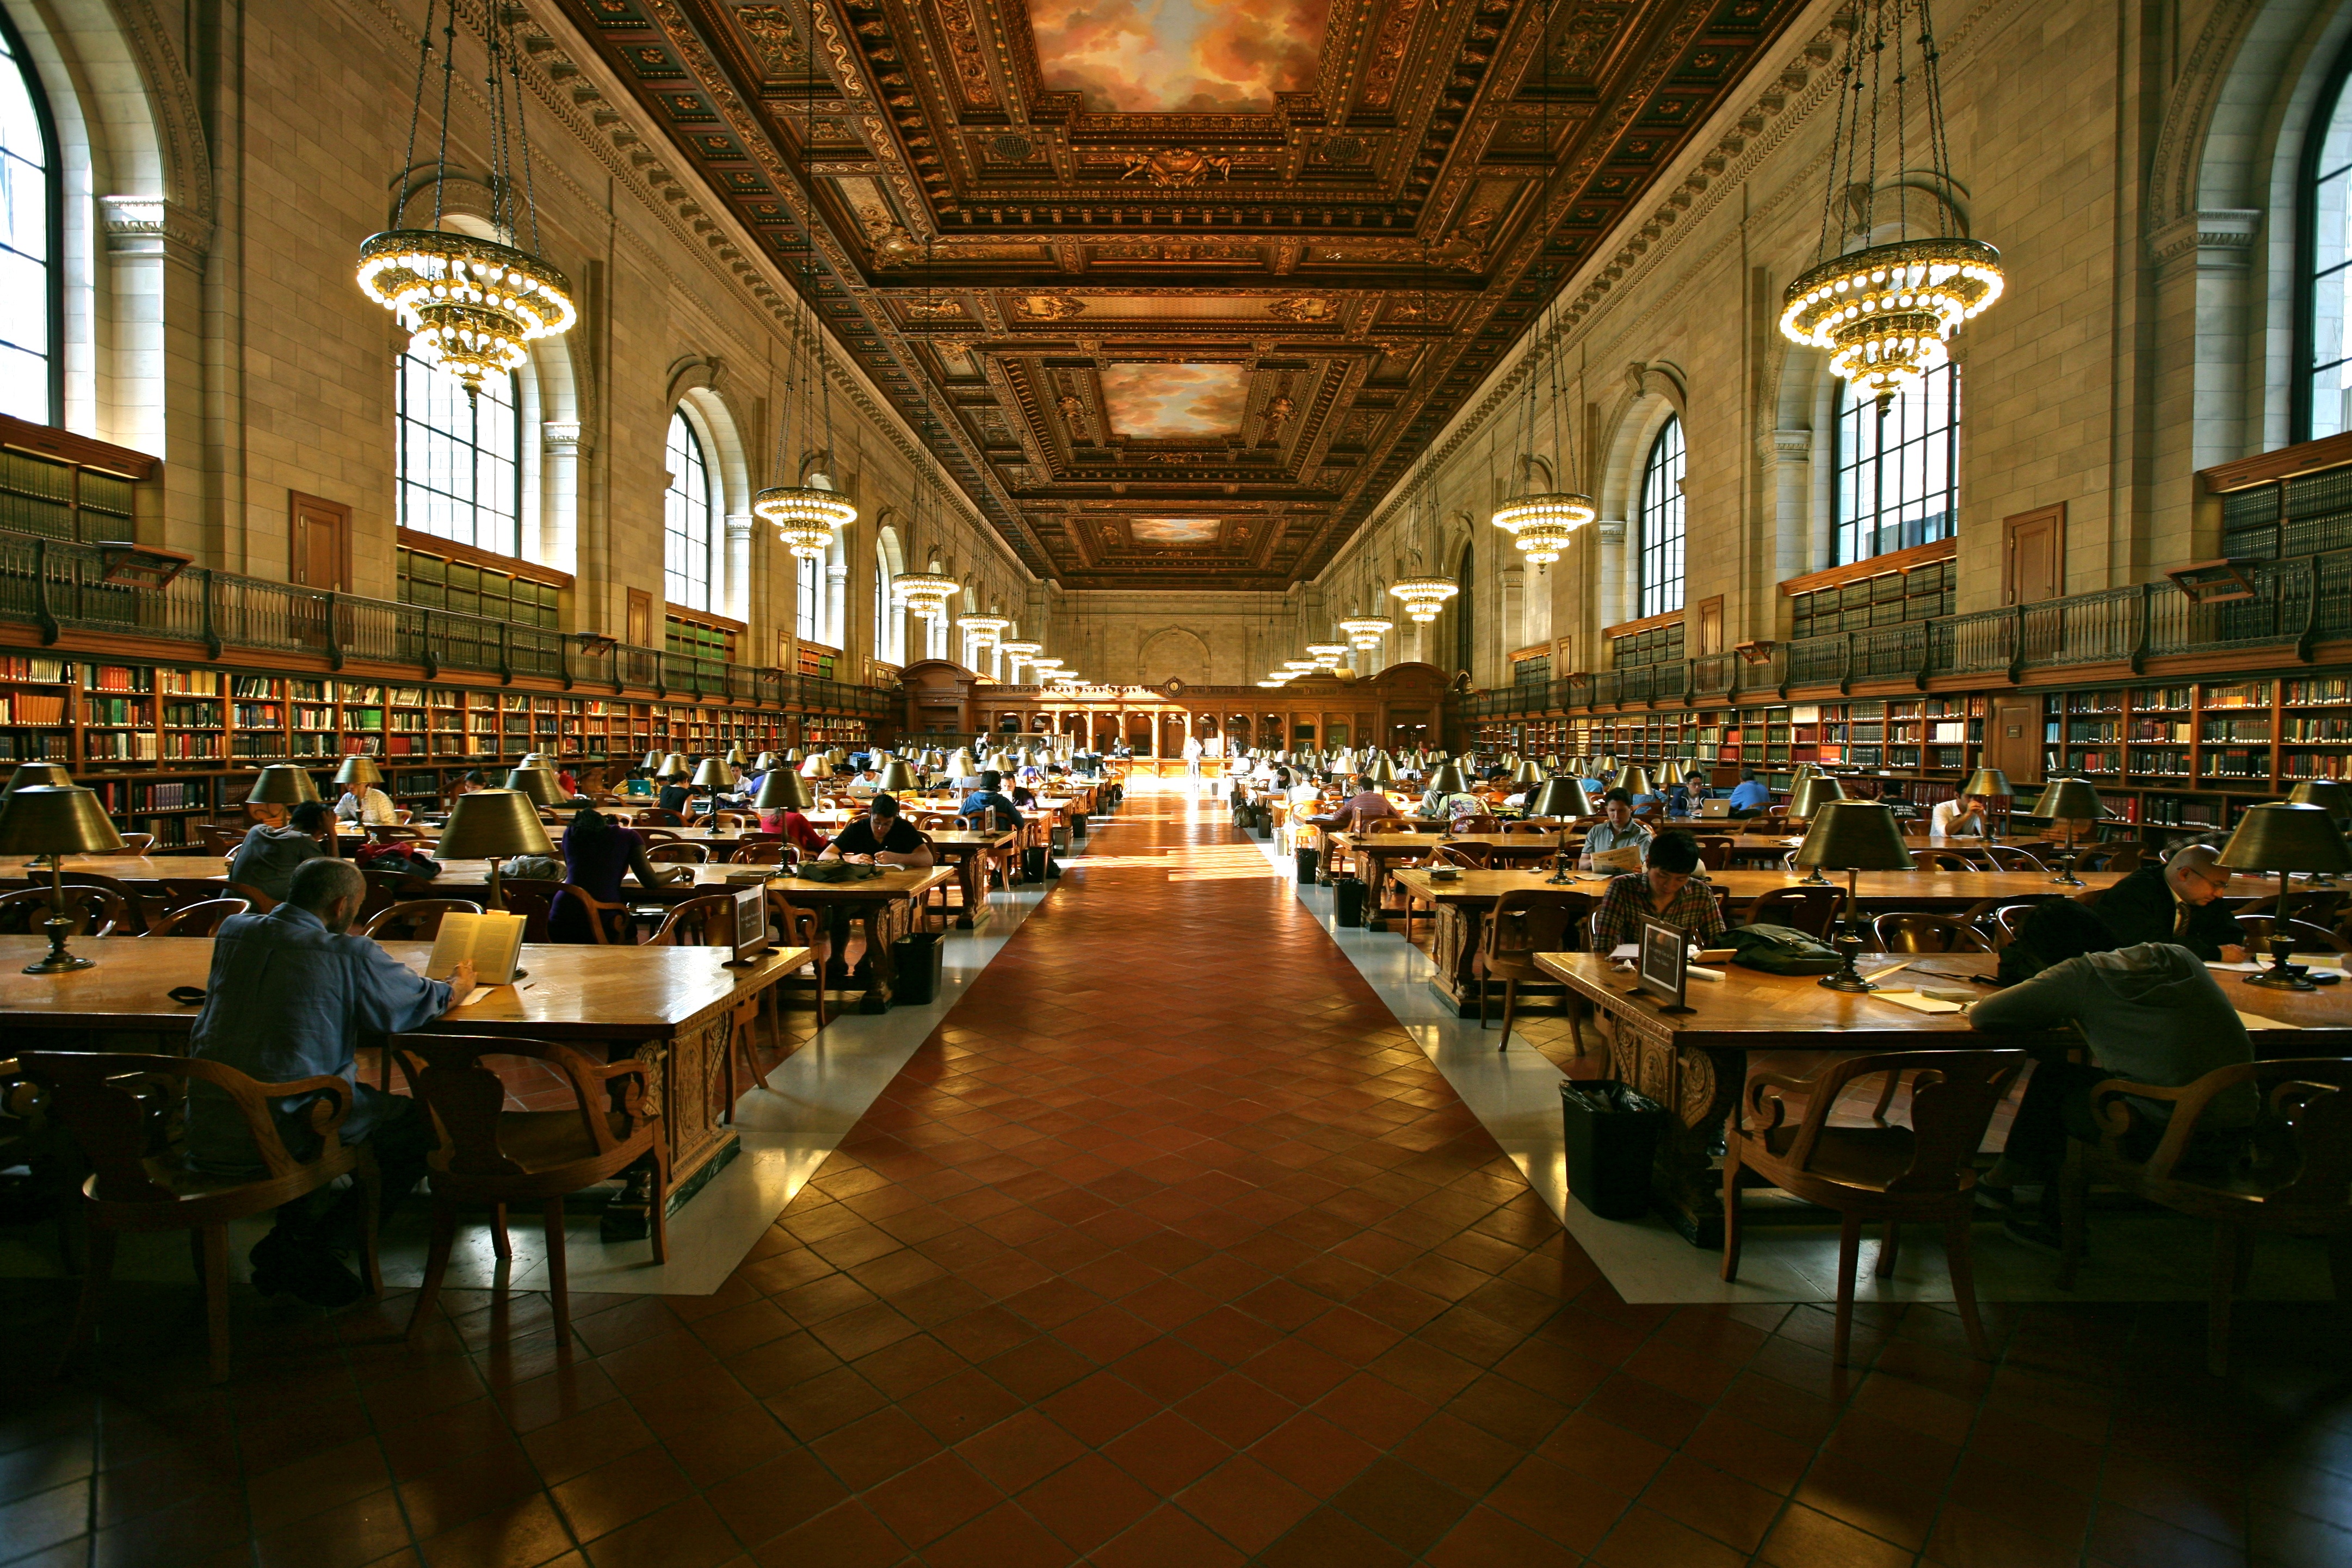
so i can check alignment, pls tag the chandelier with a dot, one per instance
(469, 304)
(1326, 654)
(805, 516)
(1018, 653)
(1424, 597)
(1885, 313)
(1366, 631)
(1543, 525)
(983, 630)
(925, 593)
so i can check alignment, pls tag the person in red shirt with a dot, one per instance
(798, 830)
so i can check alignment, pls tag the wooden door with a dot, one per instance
(1710, 625)
(2013, 739)
(320, 547)
(641, 618)
(2033, 555)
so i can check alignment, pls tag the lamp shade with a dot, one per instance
(1527, 772)
(1380, 770)
(55, 819)
(492, 824)
(673, 767)
(2329, 794)
(1446, 779)
(961, 765)
(898, 778)
(815, 767)
(735, 757)
(764, 762)
(537, 784)
(1855, 835)
(27, 774)
(653, 763)
(1560, 797)
(1812, 795)
(996, 762)
(1633, 781)
(2281, 836)
(1670, 773)
(1990, 783)
(783, 790)
(792, 757)
(713, 774)
(2070, 800)
(358, 773)
(283, 784)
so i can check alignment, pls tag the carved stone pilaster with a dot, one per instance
(563, 438)
(150, 225)
(2215, 238)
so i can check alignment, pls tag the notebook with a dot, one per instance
(493, 942)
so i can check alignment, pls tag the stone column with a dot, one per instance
(155, 259)
(559, 503)
(2203, 285)
(1609, 596)
(738, 597)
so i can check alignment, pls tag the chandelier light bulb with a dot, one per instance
(1366, 631)
(983, 629)
(469, 304)
(925, 593)
(1424, 597)
(1543, 525)
(1885, 315)
(1326, 654)
(806, 517)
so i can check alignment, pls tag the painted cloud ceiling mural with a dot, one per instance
(1175, 402)
(1175, 530)
(1174, 57)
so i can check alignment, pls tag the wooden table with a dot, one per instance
(1380, 852)
(885, 904)
(1696, 1063)
(672, 1007)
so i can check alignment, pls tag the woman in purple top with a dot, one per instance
(597, 853)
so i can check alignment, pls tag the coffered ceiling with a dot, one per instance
(1180, 287)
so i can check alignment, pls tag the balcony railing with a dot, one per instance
(2298, 604)
(59, 585)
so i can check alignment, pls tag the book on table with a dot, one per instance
(492, 943)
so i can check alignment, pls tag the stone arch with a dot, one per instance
(1174, 653)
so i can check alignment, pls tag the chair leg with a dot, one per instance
(1961, 1261)
(1849, 1254)
(502, 1245)
(2074, 1197)
(559, 1293)
(98, 1269)
(1732, 1235)
(1510, 1006)
(371, 1181)
(1889, 1239)
(1482, 1002)
(1887, 1098)
(436, 1259)
(2217, 1303)
(216, 1247)
(657, 1217)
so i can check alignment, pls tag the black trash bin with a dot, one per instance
(1310, 859)
(919, 959)
(1612, 1137)
(1348, 902)
(1032, 863)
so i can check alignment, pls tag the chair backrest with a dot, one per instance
(1539, 920)
(1474, 857)
(1953, 1097)
(759, 852)
(90, 911)
(1808, 910)
(532, 905)
(1532, 824)
(2305, 936)
(933, 822)
(116, 1105)
(214, 838)
(1715, 852)
(680, 854)
(135, 907)
(2009, 918)
(706, 922)
(1942, 860)
(138, 842)
(467, 1097)
(1911, 932)
(414, 920)
(655, 817)
(178, 892)
(198, 920)
(2010, 858)
(1480, 824)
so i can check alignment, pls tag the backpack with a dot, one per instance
(1781, 950)
(835, 871)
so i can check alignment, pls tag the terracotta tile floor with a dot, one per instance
(1171, 1247)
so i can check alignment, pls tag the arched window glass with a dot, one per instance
(1899, 469)
(890, 619)
(30, 371)
(1661, 523)
(2327, 358)
(459, 476)
(687, 538)
(1466, 643)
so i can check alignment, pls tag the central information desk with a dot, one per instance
(674, 1008)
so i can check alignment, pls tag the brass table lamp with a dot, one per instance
(652, 764)
(1994, 785)
(2286, 837)
(1381, 771)
(783, 790)
(358, 772)
(1853, 836)
(1446, 779)
(55, 820)
(765, 762)
(28, 774)
(536, 783)
(1633, 781)
(2069, 801)
(1564, 798)
(898, 778)
(735, 757)
(712, 773)
(1527, 772)
(815, 766)
(492, 824)
(1813, 791)
(283, 784)
(673, 767)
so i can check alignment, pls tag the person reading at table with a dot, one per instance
(2178, 901)
(1749, 796)
(1616, 830)
(597, 853)
(1665, 888)
(1968, 814)
(269, 856)
(1360, 810)
(366, 805)
(673, 796)
(990, 799)
(287, 997)
(882, 838)
(2151, 1013)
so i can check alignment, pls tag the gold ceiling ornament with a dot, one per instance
(1366, 631)
(1885, 312)
(925, 593)
(470, 305)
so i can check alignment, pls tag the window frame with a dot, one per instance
(53, 207)
(512, 547)
(1652, 520)
(2331, 101)
(1841, 405)
(712, 510)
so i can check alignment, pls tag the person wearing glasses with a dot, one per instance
(2178, 901)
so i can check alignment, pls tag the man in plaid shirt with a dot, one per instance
(1663, 888)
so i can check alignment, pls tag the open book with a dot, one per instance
(493, 941)
(1621, 862)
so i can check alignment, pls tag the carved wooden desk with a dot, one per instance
(887, 904)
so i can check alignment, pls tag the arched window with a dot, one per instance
(1898, 470)
(32, 373)
(460, 478)
(688, 546)
(2325, 404)
(890, 620)
(1465, 641)
(1661, 561)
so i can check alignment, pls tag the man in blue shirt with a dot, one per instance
(991, 798)
(1749, 797)
(287, 996)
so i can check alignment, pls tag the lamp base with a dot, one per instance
(2281, 978)
(1849, 978)
(58, 961)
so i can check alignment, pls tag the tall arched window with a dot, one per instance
(1898, 468)
(1465, 641)
(2325, 404)
(32, 373)
(1662, 531)
(688, 543)
(460, 478)
(890, 620)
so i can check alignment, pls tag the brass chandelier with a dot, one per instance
(470, 305)
(983, 630)
(925, 593)
(1885, 313)
(1366, 631)
(1326, 654)
(1424, 596)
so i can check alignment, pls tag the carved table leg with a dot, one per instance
(1699, 1087)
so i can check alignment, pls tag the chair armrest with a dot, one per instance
(2115, 1116)
(633, 1097)
(1763, 1081)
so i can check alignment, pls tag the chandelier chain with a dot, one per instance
(415, 113)
(448, 83)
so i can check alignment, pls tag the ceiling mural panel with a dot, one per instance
(1221, 264)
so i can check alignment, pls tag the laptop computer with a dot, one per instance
(1717, 806)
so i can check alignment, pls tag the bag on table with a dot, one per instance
(1781, 950)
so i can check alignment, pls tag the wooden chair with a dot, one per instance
(1808, 910)
(90, 911)
(2305, 936)
(1524, 923)
(215, 839)
(2009, 917)
(1531, 825)
(488, 1155)
(1892, 1175)
(138, 842)
(114, 1105)
(676, 853)
(1469, 857)
(385, 888)
(1908, 932)
(655, 817)
(2291, 1176)
(198, 920)
(134, 906)
(609, 924)
(533, 902)
(2010, 858)
(177, 893)
(705, 921)
(262, 902)
(1943, 860)
(763, 852)
(414, 920)
(1471, 825)
(1715, 852)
